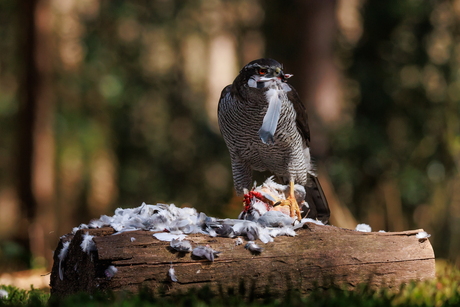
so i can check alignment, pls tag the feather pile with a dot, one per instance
(259, 220)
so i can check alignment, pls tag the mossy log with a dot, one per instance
(316, 256)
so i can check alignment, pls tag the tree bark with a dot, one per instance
(317, 255)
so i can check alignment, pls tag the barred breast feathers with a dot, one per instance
(240, 117)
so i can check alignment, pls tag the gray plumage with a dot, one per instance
(274, 219)
(110, 272)
(205, 252)
(181, 246)
(248, 228)
(253, 247)
(265, 127)
(225, 231)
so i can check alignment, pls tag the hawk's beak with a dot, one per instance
(286, 76)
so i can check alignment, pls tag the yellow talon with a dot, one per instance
(291, 202)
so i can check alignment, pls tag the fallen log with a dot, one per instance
(316, 256)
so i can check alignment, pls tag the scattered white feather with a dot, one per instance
(284, 231)
(211, 232)
(133, 239)
(3, 294)
(110, 272)
(97, 223)
(382, 231)
(422, 235)
(239, 241)
(61, 256)
(307, 220)
(363, 228)
(264, 235)
(87, 244)
(181, 246)
(82, 226)
(166, 236)
(172, 274)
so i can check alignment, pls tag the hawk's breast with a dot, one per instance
(240, 122)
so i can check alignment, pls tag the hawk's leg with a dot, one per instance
(242, 176)
(292, 202)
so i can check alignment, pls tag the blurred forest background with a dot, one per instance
(107, 104)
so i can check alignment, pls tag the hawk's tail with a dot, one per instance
(319, 209)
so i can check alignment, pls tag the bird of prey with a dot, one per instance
(265, 127)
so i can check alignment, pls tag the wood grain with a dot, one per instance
(318, 255)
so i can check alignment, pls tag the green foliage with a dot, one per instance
(132, 98)
(442, 291)
(20, 297)
(402, 101)
(395, 111)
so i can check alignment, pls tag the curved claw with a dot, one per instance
(292, 203)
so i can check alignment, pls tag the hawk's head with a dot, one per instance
(257, 72)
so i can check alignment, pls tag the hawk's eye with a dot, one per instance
(262, 71)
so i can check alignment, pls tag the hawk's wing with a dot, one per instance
(302, 116)
(226, 89)
(242, 172)
(319, 208)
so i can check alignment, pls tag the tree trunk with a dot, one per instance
(317, 255)
(35, 161)
(26, 117)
